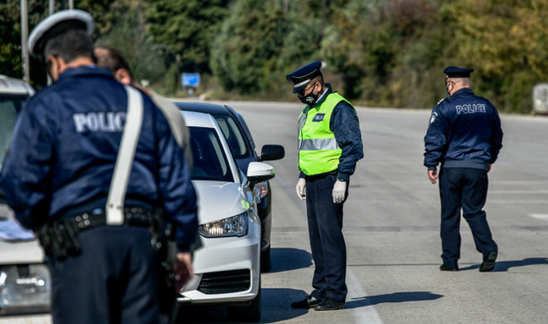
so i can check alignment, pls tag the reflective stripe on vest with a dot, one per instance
(318, 148)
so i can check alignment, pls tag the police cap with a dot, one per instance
(303, 75)
(457, 72)
(55, 25)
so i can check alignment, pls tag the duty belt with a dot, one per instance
(133, 215)
(59, 238)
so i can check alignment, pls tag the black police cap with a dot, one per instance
(457, 72)
(55, 25)
(303, 75)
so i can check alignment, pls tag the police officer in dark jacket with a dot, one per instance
(330, 145)
(465, 137)
(58, 175)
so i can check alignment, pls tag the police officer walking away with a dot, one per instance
(465, 137)
(57, 179)
(330, 145)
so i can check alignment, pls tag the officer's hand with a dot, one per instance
(339, 190)
(300, 188)
(488, 168)
(433, 176)
(183, 269)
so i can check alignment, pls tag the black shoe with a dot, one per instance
(489, 262)
(308, 302)
(443, 267)
(329, 304)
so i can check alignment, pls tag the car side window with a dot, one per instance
(9, 107)
(210, 162)
(233, 136)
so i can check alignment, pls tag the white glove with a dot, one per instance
(339, 189)
(301, 184)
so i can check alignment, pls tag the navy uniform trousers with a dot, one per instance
(325, 221)
(466, 189)
(113, 280)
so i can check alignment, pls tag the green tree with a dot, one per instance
(187, 27)
(149, 61)
(507, 42)
(245, 53)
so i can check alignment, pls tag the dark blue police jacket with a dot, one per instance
(346, 128)
(65, 145)
(464, 131)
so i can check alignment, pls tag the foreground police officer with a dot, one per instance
(330, 145)
(58, 174)
(465, 137)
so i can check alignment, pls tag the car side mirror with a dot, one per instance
(272, 152)
(259, 171)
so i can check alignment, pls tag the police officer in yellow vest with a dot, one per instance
(330, 145)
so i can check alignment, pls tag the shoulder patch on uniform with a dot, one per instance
(433, 118)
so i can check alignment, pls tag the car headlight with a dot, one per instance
(24, 289)
(260, 190)
(231, 226)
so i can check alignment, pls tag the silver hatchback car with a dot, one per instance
(227, 267)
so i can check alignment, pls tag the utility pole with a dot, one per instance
(24, 38)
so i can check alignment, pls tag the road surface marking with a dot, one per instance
(363, 314)
(539, 216)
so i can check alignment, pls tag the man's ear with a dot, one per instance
(122, 75)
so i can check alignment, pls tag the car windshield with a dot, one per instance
(210, 161)
(234, 137)
(10, 105)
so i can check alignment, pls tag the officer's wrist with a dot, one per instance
(343, 177)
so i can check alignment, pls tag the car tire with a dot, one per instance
(250, 313)
(266, 264)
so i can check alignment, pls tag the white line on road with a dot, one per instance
(539, 216)
(366, 313)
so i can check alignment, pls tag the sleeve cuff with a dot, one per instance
(183, 248)
(343, 176)
(432, 168)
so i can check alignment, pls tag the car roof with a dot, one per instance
(14, 86)
(198, 119)
(214, 109)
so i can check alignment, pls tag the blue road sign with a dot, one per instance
(191, 79)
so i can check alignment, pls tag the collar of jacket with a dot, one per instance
(84, 70)
(324, 95)
(462, 91)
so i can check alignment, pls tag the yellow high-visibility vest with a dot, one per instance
(318, 148)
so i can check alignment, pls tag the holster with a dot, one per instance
(163, 242)
(59, 239)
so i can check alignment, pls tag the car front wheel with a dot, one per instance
(250, 313)
(266, 264)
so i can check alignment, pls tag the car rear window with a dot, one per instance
(10, 105)
(210, 161)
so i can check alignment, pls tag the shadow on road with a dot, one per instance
(285, 259)
(275, 308)
(502, 266)
(399, 297)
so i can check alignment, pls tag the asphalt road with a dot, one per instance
(391, 227)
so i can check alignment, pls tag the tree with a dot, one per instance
(251, 39)
(187, 27)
